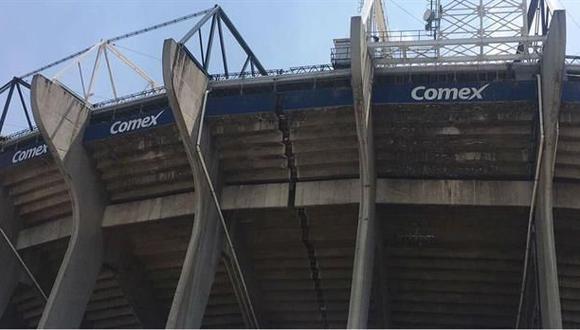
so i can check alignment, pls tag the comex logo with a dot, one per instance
(134, 124)
(22, 155)
(423, 93)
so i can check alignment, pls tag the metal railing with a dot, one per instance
(401, 35)
(103, 106)
(279, 72)
(396, 53)
(131, 97)
(18, 135)
(573, 59)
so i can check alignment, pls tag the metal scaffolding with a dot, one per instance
(460, 32)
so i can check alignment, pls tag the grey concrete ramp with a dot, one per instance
(186, 86)
(62, 118)
(361, 81)
(10, 268)
(552, 73)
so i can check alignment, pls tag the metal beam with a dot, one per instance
(452, 42)
(6, 86)
(223, 47)
(491, 59)
(209, 14)
(131, 65)
(111, 79)
(532, 10)
(242, 42)
(24, 108)
(209, 43)
(6, 105)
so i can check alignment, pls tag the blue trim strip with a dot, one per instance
(317, 98)
(571, 91)
(291, 100)
(239, 104)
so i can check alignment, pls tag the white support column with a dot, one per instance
(62, 118)
(552, 72)
(10, 224)
(186, 86)
(361, 81)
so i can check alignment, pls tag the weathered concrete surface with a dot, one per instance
(131, 276)
(454, 192)
(44, 233)
(252, 307)
(153, 209)
(312, 193)
(255, 196)
(62, 118)
(186, 86)
(361, 81)
(10, 268)
(434, 192)
(315, 193)
(552, 73)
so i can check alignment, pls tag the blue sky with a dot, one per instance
(282, 33)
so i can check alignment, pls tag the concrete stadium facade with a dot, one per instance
(358, 197)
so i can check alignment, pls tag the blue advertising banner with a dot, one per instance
(317, 98)
(125, 125)
(571, 91)
(22, 153)
(456, 92)
(238, 104)
(291, 100)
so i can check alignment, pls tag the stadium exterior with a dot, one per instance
(370, 194)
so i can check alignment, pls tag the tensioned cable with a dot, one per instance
(406, 11)
(218, 208)
(23, 264)
(138, 52)
(117, 38)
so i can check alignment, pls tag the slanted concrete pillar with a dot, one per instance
(186, 86)
(9, 275)
(62, 118)
(361, 81)
(552, 72)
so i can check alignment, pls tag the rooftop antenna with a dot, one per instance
(432, 17)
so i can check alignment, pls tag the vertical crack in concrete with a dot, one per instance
(284, 127)
(314, 269)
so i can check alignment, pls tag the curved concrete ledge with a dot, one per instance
(186, 85)
(361, 81)
(10, 223)
(552, 73)
(62, 118)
